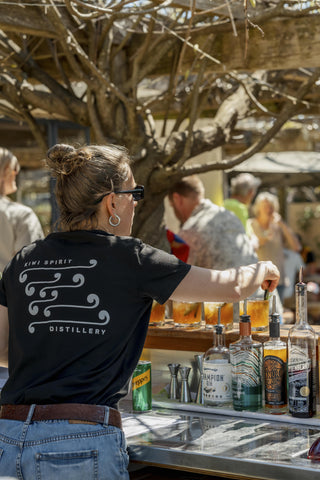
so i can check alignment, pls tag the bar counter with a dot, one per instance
(211, 441)
(225, 445)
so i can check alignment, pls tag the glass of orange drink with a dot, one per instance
(186, 314)
(211, 314)
(258, 309)
(157, 315)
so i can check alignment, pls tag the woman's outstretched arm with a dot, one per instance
(232, 285)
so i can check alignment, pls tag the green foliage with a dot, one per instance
(309, 215)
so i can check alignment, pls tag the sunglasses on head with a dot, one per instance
(137, 193)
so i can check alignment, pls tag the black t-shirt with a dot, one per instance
(79, 305)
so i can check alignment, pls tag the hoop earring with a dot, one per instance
(117, 222)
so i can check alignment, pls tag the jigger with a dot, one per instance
(199, 397)
(174, 386)
(185, 391)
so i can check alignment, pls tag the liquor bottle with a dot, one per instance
(302, 359)
(246, 369)
(217, 369)
(275, 367)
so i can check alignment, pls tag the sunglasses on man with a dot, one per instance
(137, 193)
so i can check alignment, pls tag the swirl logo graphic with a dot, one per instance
(46, 296)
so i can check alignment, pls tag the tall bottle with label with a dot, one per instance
(246, 369)
(275, 367)
(217, 370)
(302, 359)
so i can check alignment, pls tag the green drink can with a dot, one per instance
(141, 387)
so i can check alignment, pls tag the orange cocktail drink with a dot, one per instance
(186, 313)
(211, 314)
(258, 309)
(157, 315)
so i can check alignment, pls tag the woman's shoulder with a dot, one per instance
(16, 209)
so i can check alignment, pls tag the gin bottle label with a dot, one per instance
(246, 379)
(216, 382)
(300, 381)
(275, 380)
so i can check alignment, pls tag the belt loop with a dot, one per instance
(106, 416)
(30, 414)
(26, 424)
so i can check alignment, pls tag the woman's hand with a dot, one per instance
(272, 276)
(276, 217)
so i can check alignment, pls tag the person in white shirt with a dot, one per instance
(19, 225)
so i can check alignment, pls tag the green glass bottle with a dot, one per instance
(246, 369)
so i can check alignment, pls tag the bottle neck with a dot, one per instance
(245, 329)
(301, 304)
(274, 326)
(218, 338)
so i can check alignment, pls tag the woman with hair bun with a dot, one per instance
(75, 336)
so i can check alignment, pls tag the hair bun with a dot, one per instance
(61, 159)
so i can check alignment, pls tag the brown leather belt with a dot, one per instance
(74, 412)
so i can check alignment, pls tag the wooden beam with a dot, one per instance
(278, 44)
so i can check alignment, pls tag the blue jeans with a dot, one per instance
(53, 449)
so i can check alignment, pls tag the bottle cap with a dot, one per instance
(245, 318)
(218, 329)
(301, 287)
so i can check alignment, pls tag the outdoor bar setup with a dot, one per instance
(228, 390)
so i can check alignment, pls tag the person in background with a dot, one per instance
(272, 234)
(309, 257)
(77, 332)
(216, 237)
(243, 190)
(19, 225)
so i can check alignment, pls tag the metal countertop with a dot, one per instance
(221, 444)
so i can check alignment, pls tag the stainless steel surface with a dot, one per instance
(184, 389)
(174, 385)
(221, 444)
(161, 402)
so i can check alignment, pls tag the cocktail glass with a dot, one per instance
(186, 314)
(258, 309)
(211, 314)
(157, 315)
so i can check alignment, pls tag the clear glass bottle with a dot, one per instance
(216, 370)
(302, 359)
(246, 369)
(275, 368)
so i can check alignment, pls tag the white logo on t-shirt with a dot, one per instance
(45, 294)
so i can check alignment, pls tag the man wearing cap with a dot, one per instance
(243, 190)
